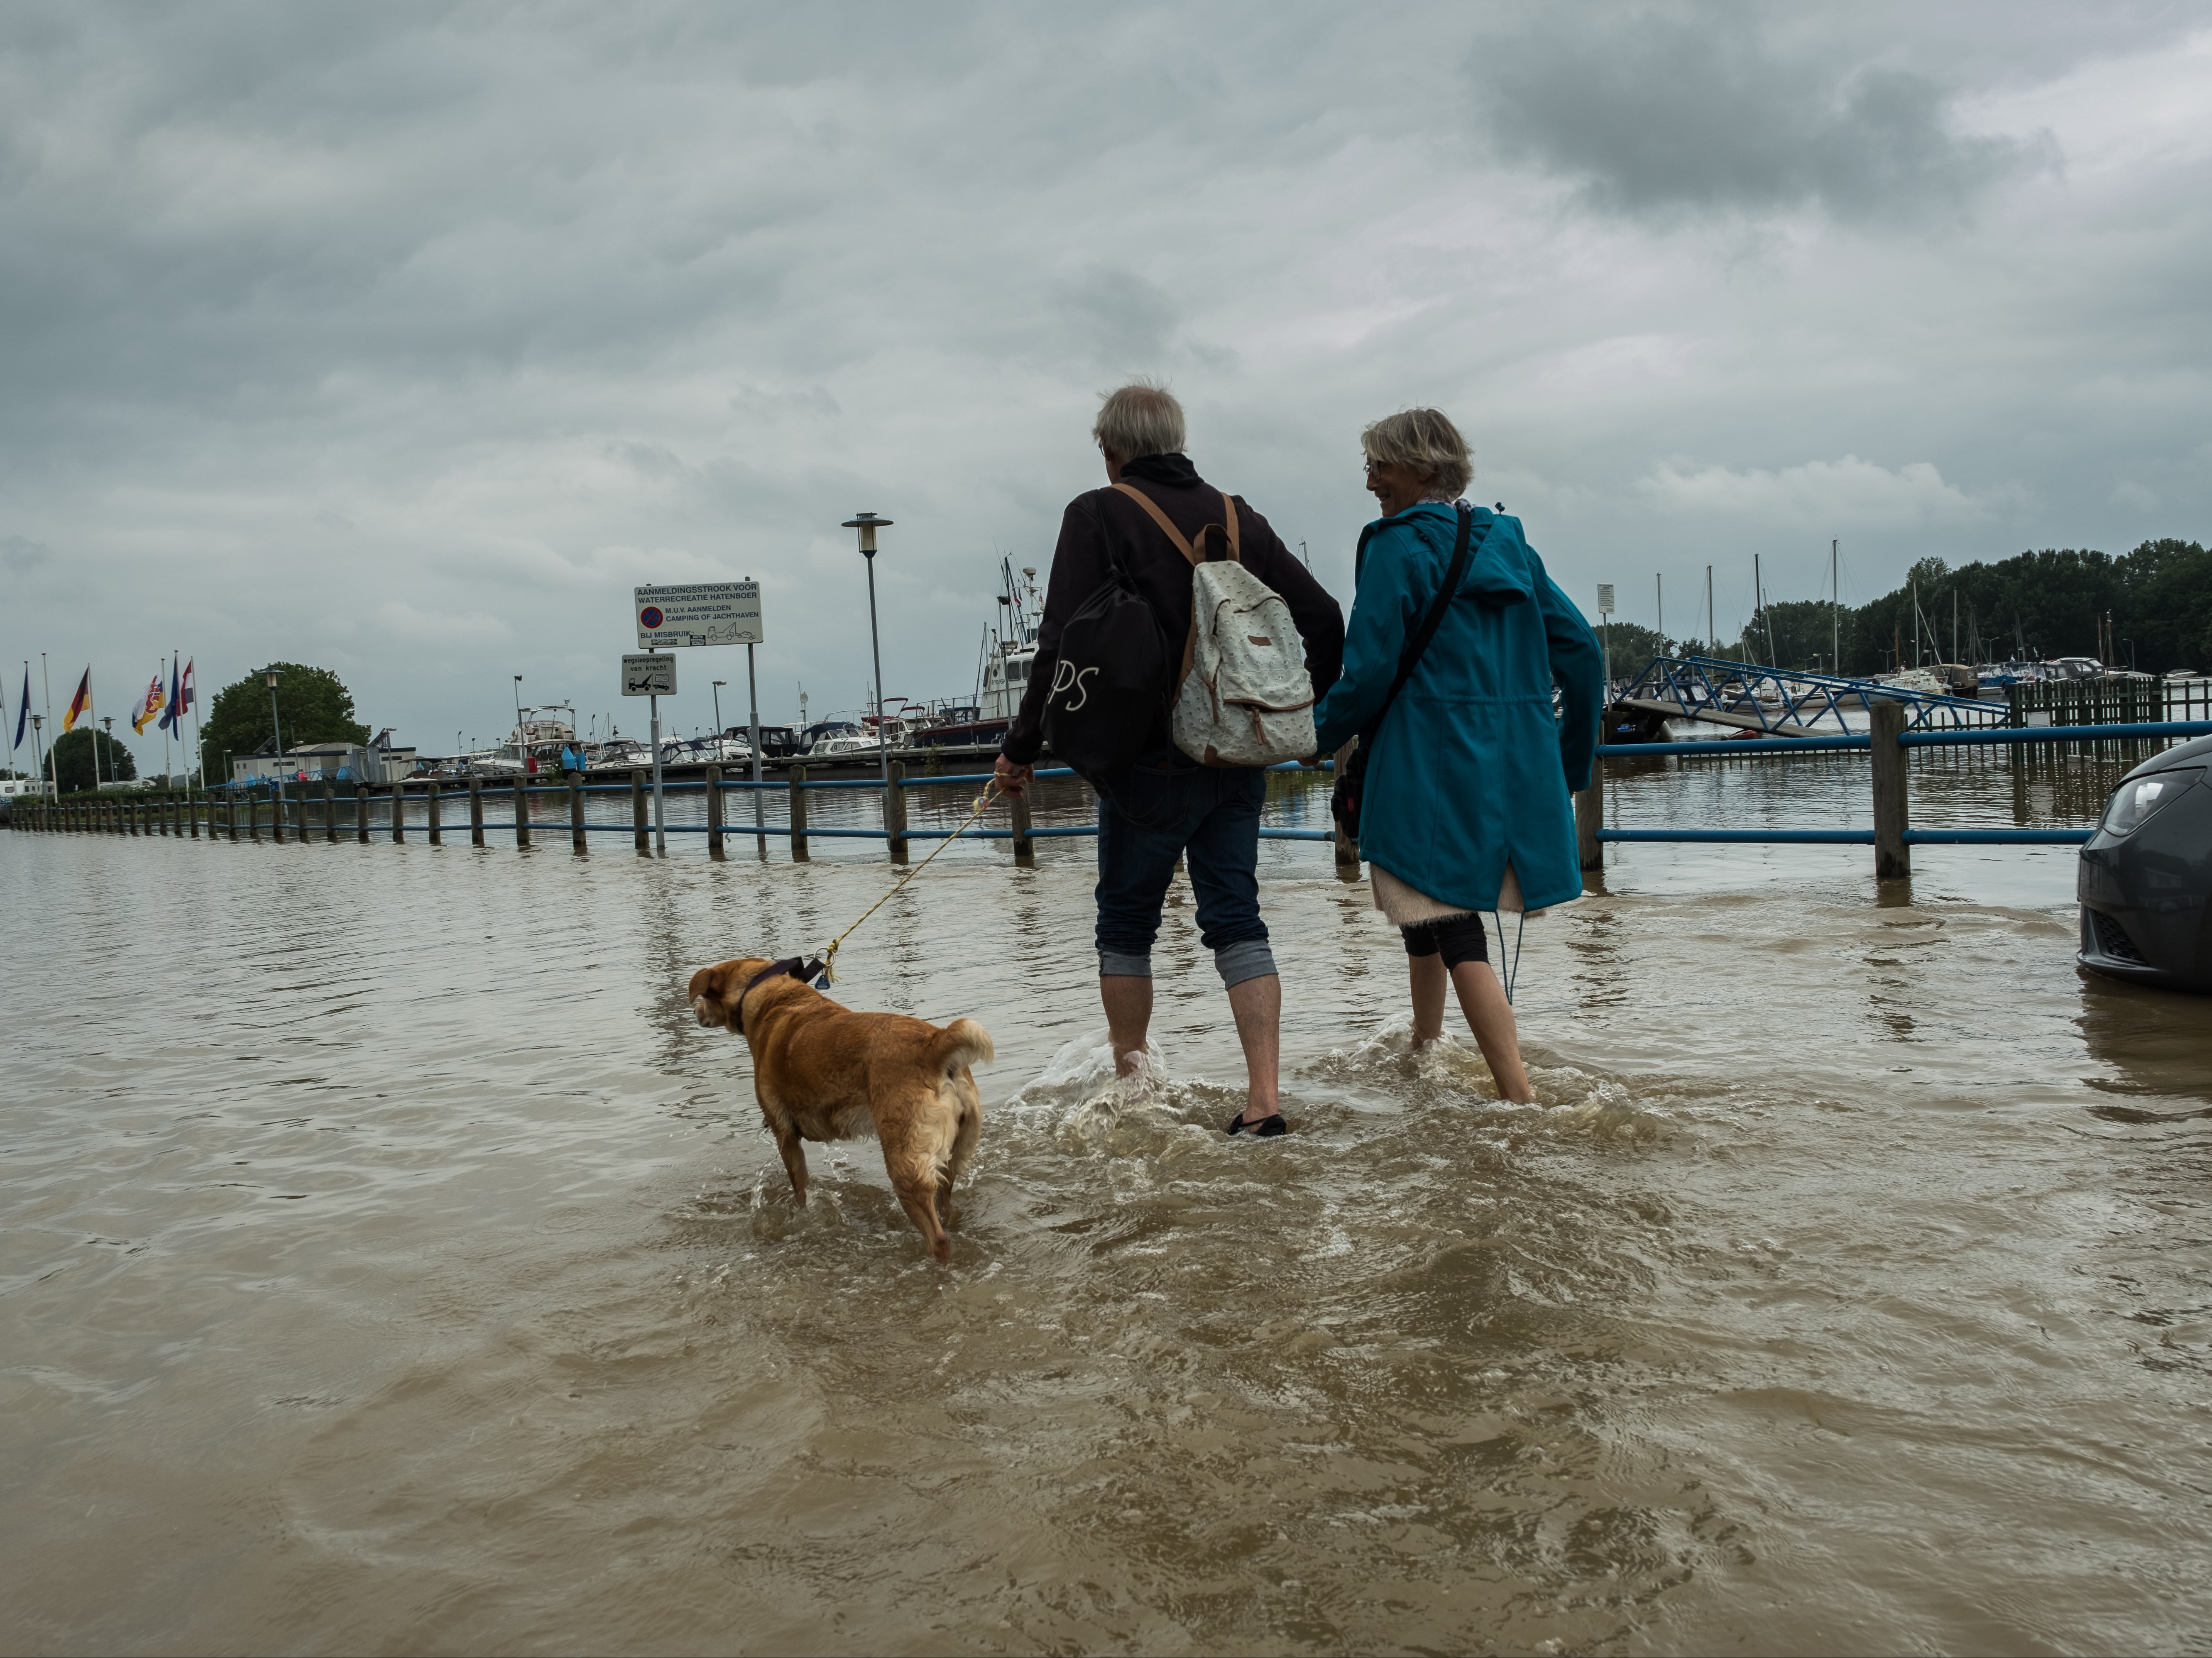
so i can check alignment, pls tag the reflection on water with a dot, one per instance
(391, 1261)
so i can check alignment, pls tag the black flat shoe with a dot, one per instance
(1266, 1129)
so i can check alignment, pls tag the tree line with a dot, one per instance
(2150, 610)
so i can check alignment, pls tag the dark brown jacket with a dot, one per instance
(1080, 564)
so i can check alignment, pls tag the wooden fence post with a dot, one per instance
(795, 781)
(434, 814)
(1018, 820)
(1589, 818)
(330, 816)
(1347, 846)
(894, 812)
(637, 814)
(522, 813)
(360, 812)
(276, 815)
(1893, 858)
(399, 814)
(476, 810)
(253, 816)
(577, 841)
(714, 811)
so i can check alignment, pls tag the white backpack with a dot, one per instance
(1245, 698)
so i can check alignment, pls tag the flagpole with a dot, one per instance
(165, 724)
(200, 743)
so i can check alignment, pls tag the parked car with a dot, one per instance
(2145, 877)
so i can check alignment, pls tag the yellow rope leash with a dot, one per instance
(830, 956)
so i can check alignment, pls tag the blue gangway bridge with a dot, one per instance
(1784, 702)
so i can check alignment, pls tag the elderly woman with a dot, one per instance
(1466, 801)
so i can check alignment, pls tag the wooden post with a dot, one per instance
(399, 814)
(1018, 819)
(894, 812)
(360, 812)
(714, 811)
(434, 814)
(522, 813)
(476, 810)
(1347, 846)
(330, 816)
(796, 780)
(277, 817)
(192, 816)
(576, 840)
(1589, 818)
(1893, 859)
(637, 814)
(253, 816)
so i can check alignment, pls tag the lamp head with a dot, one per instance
(867, 524)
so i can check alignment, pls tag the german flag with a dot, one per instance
(81, 704)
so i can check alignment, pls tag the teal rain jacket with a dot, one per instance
(1471, 767)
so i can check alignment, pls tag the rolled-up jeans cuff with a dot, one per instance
(1119, 964)
(1248, 958)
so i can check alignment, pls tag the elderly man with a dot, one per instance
(1165, 806)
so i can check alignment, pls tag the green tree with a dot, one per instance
(313, 703)
(70, 760)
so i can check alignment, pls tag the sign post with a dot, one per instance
(1605, 621)
(695, 613)
(653, 677)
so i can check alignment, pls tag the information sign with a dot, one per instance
(699, 613)
(1604, 598)
(649, 676)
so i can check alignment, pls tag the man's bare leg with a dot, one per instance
(1258, 1005)
(1490, 1015)
(1129, 1001)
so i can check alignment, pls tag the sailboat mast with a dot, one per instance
(1835, 612)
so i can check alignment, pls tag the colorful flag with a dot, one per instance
(190, 694)
(172, 712)
(150, 708)
(23, 710)
(81, 704)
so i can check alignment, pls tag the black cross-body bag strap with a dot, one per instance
(1410, 659)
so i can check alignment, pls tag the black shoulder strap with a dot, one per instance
(1418, 644)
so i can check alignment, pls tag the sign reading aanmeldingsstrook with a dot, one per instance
(699, 613)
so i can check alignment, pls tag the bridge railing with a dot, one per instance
(1893, 836)
(1792, 701)
(303, 815)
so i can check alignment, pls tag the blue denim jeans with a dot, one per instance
(1209, 813)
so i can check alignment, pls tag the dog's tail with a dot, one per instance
(962, 1042)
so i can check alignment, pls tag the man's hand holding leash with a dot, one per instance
(1012, 778)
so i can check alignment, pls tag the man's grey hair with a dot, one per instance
(1142, 418)
(1426, 440)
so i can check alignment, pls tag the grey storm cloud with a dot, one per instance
(405, 339)
(1655, 112)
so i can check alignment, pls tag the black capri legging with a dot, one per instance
(1456, 938)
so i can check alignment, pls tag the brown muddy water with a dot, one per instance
(390, 1264)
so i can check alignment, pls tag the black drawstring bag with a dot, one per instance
(1351, 776)
(1110, 685)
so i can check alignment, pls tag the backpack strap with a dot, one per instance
(1161, 519)
(1410, 657)
(1182, 545)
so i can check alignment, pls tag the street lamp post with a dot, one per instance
(276, 726)
(867, 524)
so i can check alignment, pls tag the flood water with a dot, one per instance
(389, 1262)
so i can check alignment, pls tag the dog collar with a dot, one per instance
(789, 966)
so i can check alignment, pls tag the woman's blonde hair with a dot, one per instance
(1427, 441)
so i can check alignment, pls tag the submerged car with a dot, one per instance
(2145, 877)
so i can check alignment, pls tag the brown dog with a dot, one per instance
(824, 1072)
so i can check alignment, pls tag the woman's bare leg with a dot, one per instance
(1428, 974)
(1490, 1015)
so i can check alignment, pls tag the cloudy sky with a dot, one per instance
(406, 340)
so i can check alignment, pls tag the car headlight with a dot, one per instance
(2136, 799)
